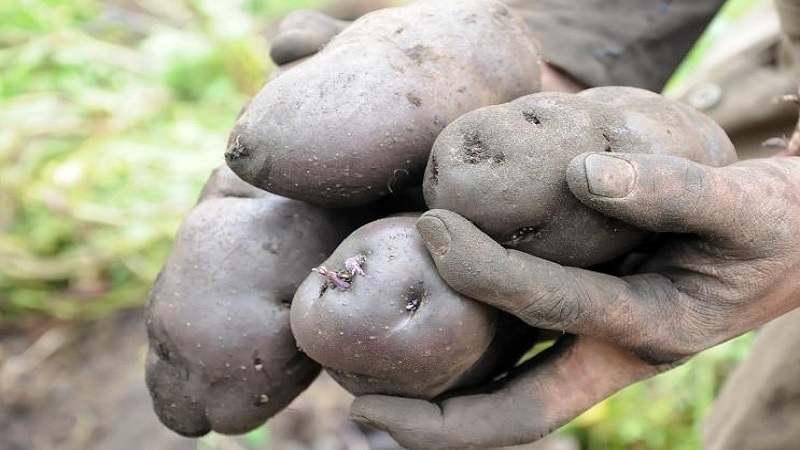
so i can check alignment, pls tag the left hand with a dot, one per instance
(729, 264)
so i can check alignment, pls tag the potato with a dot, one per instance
(503, 167)
(222, 356)
(356, 121)
(398, 329)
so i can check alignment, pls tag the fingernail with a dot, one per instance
(434, 234)
(609, 176)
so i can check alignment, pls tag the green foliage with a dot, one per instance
(732, 12)
(114, 114)
(665, 412)
(256, 439)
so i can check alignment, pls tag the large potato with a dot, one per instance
(356, 121)
(504, 167)
(222, 356)
(397, 328)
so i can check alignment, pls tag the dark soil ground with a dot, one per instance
(68, 386)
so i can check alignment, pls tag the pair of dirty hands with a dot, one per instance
(727, 262)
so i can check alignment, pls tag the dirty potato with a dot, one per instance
(221, 354)
(356, 121)
(504, 167)
(380, 320)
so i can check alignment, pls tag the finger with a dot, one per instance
(302, 34)
(666, 194)
(638, 312)
(544, 394)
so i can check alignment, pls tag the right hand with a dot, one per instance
(728, 264)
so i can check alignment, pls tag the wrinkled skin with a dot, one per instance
(399, 329)
(221, 355)
(378, 95)
(728, 265)
(503, 167)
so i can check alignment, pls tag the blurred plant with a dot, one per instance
(731, 13)
(114, 113)
(665, 412)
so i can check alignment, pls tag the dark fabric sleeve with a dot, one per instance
(617, 42)
(789, 14)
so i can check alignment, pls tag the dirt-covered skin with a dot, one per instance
(222, 356)
(720, 270)
(399, 329)
(504, 167)
(356, 121)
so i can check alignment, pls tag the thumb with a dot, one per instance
(535, 398)
(660, 193)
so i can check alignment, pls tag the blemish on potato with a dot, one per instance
(531, 117)
(162, 351)
(236, 150)
(413, 99)
(434, 165)
(414, 296)
(418, 53)
(270, 246)
(473, 148)
(608, 143)
(261, 400)
(475, 152)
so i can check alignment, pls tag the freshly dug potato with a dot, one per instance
(356, 121)
(379, 318)
(222, 356)
(504, 167)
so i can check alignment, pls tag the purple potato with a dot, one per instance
(398, 328)
(222, 356)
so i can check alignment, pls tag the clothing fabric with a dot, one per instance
(617, 42)
(759, 405)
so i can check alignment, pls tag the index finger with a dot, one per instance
(638, 312)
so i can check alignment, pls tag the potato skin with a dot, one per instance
(504, 167)
(356, 121)
(221, 354)
(399, 329)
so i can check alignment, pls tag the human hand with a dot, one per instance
(726, 266)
